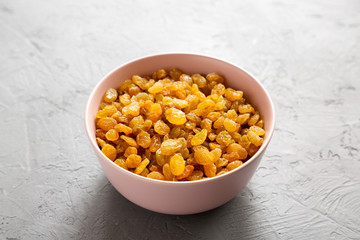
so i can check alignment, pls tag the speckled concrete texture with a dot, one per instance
(307, 54)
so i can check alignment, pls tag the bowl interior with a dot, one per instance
(190, 64)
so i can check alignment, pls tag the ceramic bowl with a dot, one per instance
(181, 197)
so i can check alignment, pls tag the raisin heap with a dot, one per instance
(178, 127)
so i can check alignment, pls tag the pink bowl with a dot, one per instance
(181, 197)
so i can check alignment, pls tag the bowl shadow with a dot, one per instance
(112, 216)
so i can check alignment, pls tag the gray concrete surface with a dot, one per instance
(307, 54)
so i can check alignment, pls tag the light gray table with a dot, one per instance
(52, 53)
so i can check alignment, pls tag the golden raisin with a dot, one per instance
(199, 138)
(214, 77)
(177, 164)
(232, 94)
(212, 136)
(156, 175)
(112, 135)
(125, 99)
(231, 156)
(234, 165)
(247, 108)
(143, 139)
(213, 145)
(213, 116)
(210, 170)
(216, 153)
(100, 142)
(110, 95)
(170, 146)
(258, 130)
(235, 147)
(129, 151)
(186, 78)
(101, 114)
(133, 161)
(156, 88)
(187, 172)
(221, 162)
(121, 162)
(218, 123)
(139, 120)
(206, 124)
(161, 73)
(223, 138)
(253, 119)
(109, 151)
(155, 143)
(179, 103)
(243, 118)
(139, 81)
(202, 155)
(230, 125)
(129, 141)
(167, 172)
(110, 110)
(175, 73)
(106, 123)
(199, 80)
(125, 85)
(195, 175)
(193, 118)
(231, 114)
(175, 116)
(260, 124)
(145, 172)
(254, 138)
(252, 149)
(132, 109)
(207, 104)
(161, 128)
(142, 166)
(222, 171)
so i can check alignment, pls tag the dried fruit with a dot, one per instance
(210, 170)
(156, 175)
(143, 139)
(123, 128)
(199, 138)
(131, 109)
(223, 138)
(176, 127)
(187, 172)
(133, 161)
(177, 164)
(233, 165)
(129, 151)
(170, 146)
(175, 116)
(161, 128)
(109, 151)
(142, 166)
(254, 138)
(106, 123)
(202, 155)
(230, 125)
(112, 135)
(110, 95)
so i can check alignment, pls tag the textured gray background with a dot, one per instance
(52, 53)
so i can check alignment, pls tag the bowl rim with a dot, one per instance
(202, 181)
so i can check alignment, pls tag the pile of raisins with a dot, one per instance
(176, 127)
